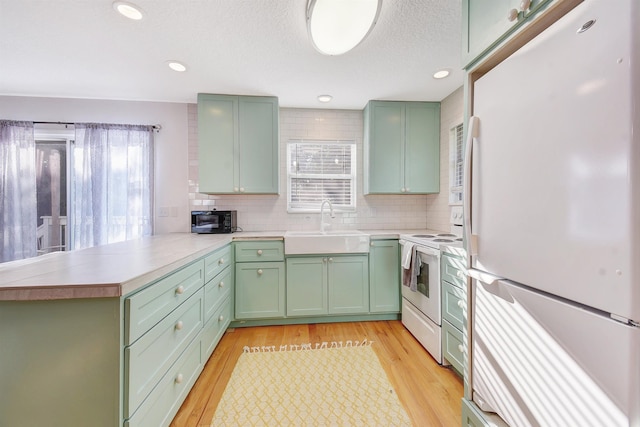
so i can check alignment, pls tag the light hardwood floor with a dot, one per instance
(430, 393)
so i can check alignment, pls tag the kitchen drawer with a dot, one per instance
(165, 400)
(452, 346)
(147, 307)
(214, 328)
(259, 250)
(215, 291)
(453, 304)
(453, 270)
(470, 416)
(216, 262)
(147, 360)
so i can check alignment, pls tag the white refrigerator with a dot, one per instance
(552, 210)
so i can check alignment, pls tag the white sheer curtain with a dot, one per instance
(111, 184)
(18, 211)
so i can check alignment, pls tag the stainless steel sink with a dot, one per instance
(328, 242)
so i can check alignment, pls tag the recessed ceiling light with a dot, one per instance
(325, 98)
(441, 74)
(129, 10)
(337, 26)
(177, 66)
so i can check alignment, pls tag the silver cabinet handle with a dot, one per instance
(259, 251)
(221, 284)
(179, 325)
(260, 271)
(180, 290)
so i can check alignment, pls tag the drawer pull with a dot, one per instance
(180, 290)
(459, 274)
(221, 318)
(221, 261)
(259, 271)
(221, 285)
(259, 252)
(179, 378)
(179, 325)
(330, 259)
(460, 348)
(460, 303)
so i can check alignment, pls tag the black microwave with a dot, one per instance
(214, 222)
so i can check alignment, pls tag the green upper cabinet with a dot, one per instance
(487, 23)
(238, 144)
(401, 147)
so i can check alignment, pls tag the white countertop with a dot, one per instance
(117, 269)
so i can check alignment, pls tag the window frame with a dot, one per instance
(456, 164)
(352, 176)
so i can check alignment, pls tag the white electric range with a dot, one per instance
(421, 304)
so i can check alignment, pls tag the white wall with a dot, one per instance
(176, 163)
(451, 114)
(171, 148)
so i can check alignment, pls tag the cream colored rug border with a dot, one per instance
(324, 384)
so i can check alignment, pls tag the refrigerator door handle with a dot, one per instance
(469, 237)
(483, 276)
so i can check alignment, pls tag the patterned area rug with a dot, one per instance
(323, 385)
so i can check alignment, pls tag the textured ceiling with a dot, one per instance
(84, 49)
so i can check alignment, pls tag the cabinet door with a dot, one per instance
(307, 293)
(259, 290)
(348, 284)
(422, 147)
(384, 273)
(384, 147)
(485, 24)
(258, 136)
(217, 143)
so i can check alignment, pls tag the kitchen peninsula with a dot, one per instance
(117, 334)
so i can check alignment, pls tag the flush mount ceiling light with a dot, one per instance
(325, 98)
(177, 66)
(337, 26)
(441, 74)
(127, 9)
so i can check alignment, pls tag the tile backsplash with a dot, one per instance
(269, 212)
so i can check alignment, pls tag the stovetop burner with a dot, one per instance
(446, 235)
(443, 240)
(424, 236)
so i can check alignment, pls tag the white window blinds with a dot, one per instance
(456, 164)
(319, 170)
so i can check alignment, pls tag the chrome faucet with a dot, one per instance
(323, 224)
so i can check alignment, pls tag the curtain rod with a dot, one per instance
(155, 127)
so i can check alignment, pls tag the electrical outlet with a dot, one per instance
(163, 211)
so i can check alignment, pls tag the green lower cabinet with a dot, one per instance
(260, 290)
(384, 274)
(307, 286)
(320, 285)
(348, 284)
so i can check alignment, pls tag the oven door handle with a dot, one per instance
(423, 249)
(428, 251)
